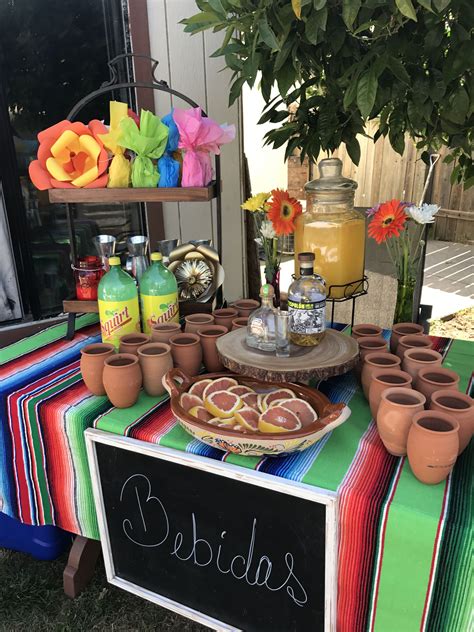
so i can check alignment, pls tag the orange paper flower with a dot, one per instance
(70, 155)
(283, 211)
(388, 221)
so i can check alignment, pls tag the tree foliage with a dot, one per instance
(405, 63)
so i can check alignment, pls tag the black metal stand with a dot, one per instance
(351, 292)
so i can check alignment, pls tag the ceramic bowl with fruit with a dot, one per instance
(245, 416)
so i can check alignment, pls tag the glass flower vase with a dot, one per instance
(272, 276)
(405, 301)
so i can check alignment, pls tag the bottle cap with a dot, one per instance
(114, 261)
(306, 256)
(267, 290)
(156, 256)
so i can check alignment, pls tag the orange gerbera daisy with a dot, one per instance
(283, 211)
(388, 221)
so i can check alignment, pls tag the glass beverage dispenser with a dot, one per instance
(333, 230)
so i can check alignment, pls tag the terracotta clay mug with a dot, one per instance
(196, 321)
(418, 341)
(162, 332)
(92, 365)
(370, 344)
(155, 361)
(404, 329)
(373, 362)
(245, 306)
(364, 330)
(461, 407)
(416, 359)
(383, 379)
(240, 322)
(395, 416)
(225, 316)
(208, 336)
(434, 379)
(432, 446)
(187, 353)
(122, 379)
(131, 342)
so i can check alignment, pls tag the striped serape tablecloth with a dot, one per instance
(404, 552)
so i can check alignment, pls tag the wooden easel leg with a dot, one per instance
(80, 565)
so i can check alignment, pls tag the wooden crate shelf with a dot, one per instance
(124, 196)
(80, 307)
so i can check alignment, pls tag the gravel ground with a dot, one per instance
(460, 325)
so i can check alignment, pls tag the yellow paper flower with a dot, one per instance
(119, 170)
(256, 202)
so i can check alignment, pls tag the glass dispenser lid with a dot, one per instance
(331, 180)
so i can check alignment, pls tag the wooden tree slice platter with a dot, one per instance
(335, 355)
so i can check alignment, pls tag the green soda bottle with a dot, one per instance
(119, 312)
(158, 294)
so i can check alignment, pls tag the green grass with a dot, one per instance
(32, 598)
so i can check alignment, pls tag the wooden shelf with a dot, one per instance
(81, 307)
(124, 196)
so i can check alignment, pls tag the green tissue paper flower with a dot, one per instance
(148, 143)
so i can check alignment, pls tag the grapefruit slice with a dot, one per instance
(281, 393)
(240, 390)
(278, 419)
(189, 401)
(247, 418)
(198, 387)
(200, 412)
(251, 400)
(221, 384)
(302, 409)
(222, 404)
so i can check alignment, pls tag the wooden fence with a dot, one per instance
(383, 174)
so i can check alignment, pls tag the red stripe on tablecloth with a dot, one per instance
(361, 495)
(378, 561)
(61, 473)
(155, 425)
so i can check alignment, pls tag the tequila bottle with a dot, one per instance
(307, 304)
(261, 323)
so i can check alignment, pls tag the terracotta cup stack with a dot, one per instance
(155, 361)
(401, 385)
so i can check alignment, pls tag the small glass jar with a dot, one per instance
(332, 230)
(261, 324)
(87, 274)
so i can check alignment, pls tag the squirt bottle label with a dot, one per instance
(158, 294)
(119, 311)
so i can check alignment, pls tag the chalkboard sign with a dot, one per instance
(229, 547)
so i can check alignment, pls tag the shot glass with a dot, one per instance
(282, 341)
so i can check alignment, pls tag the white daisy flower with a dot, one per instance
(267, 230)
(423, 214)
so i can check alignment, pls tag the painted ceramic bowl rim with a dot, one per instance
(195, 340)
(452, 392)
(142, 351)
(396, 328)
(437, 414)
(435, 355)
(426, 370)
(305, 392)
(403, 390)
(119, 356)
(198, 318)
(201, 332)
(386, 356)
(107, 348)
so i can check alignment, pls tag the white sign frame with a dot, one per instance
(252, 477)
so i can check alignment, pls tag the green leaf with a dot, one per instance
(216, 5)
(267, 35)
(350, 9)
(398, 70)
(350, 93)
(406, 8)
(315, 22)
(441, 5)
(236, 89)
(319, 4)
(206, 17)
(283, 54)
(286, 77)
(426, 4)
(458, 106)
(366, 92)
(353, 149)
